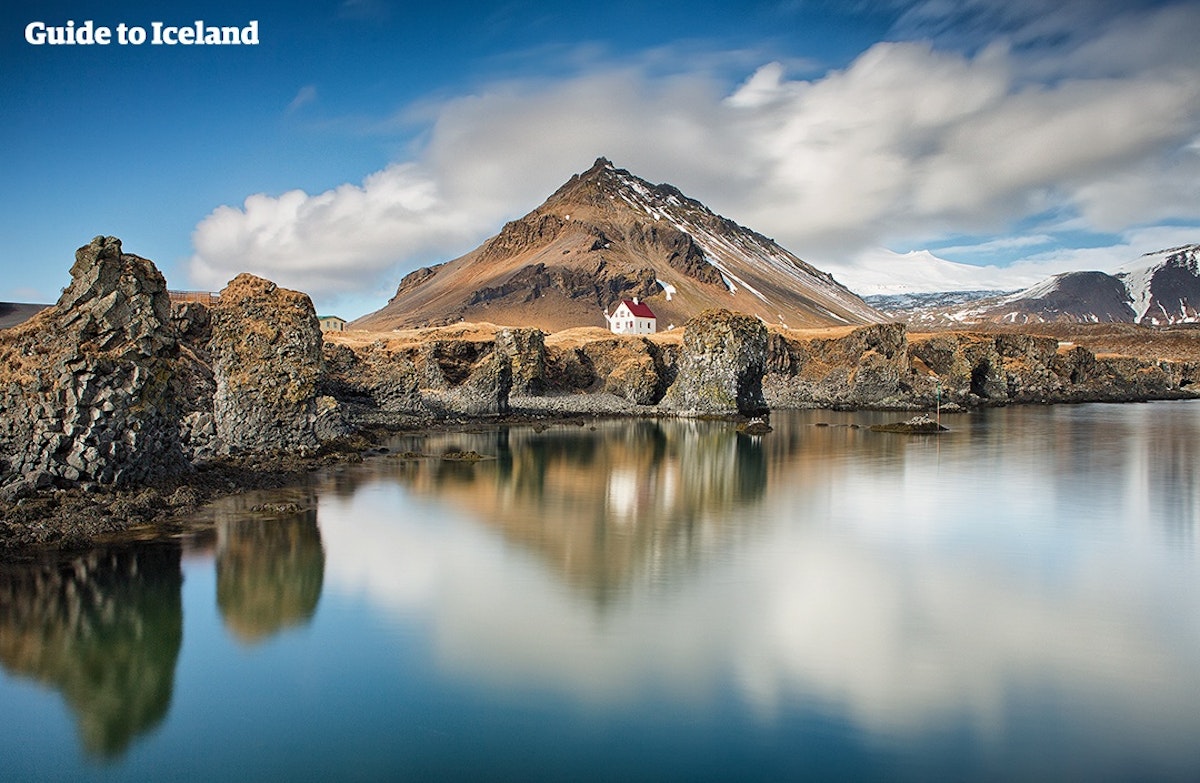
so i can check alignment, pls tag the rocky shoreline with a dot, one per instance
(119, 410)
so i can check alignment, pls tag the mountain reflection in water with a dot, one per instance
(629, 498)
(1016, 599)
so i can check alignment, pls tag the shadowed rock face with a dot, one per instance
(721, 366)
(266, 349)
(86, 389)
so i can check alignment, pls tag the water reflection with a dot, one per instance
(1018, 599)
(105, 629)
(1027, 566)
(269, 572)
(603, 506)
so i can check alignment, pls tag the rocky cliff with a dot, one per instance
(885, 366)
(267, 365)
(728, 365)
(86, 387)
(113, 386)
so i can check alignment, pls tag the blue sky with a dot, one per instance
(363, 138)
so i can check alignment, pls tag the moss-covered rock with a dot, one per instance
(267, 364)
(721, 366)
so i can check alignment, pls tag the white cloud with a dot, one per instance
(907, 144)
(304, 96)
(336, 241)
(28, 294)
(1108, 258)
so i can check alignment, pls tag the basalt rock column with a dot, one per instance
(721, 366)
(266, 348)
(86, 386)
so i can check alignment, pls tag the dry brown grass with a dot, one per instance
(401, 338)
(813, 333)
(1151, 343)
(566, 339)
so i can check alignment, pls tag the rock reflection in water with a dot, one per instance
(103, 628)
(269, 572)
(640, 500)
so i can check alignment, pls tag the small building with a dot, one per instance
(208, 298)
(331, 323)
(632, 317)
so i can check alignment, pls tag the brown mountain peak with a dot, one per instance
(607, 234)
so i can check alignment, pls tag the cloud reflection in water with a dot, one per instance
(821, 568)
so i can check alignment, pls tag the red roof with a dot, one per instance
(639, 310)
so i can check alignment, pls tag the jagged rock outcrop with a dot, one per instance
(194, 382)
(486, 389)
(267, 364)
(721, 367)
(467, 377)
(371, 378)
(882, 366)
(86, 387)
(526, 352)
(634, 368)
(867, 367)
(446, 373)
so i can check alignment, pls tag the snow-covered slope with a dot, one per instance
(1164, 286)
(1159, 288)
(884, 272)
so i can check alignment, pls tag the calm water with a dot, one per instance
(1017, 599)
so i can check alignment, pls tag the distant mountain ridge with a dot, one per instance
(606, 235)
(16, 313)
(1159, 288)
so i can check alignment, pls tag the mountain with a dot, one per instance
(1164, 286)
(1073, 297)
(904, 303)
(883, 272)
(15, 313)
(607, 235)
(1159, 288)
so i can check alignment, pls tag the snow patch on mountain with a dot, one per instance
(1165, 285)
(733, 250)
(883, 272)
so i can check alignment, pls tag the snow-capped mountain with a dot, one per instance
(606, 235)
(1159, 288)
(1164, 286)
(883, 272)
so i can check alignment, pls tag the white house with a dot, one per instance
(331, 323)
(632, 317)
